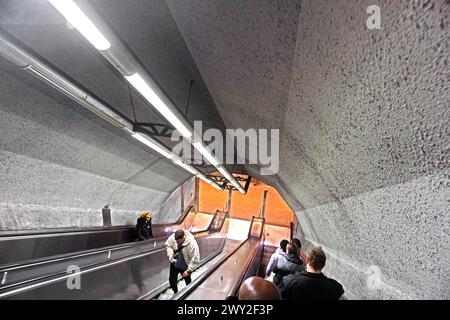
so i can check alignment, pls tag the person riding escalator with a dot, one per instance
(144, 226)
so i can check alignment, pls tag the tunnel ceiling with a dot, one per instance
(363, 117)
(270, 64)
(357, 110)
(153, 37)
(364, 125)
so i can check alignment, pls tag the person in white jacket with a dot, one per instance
(184, 255)
(281, 251)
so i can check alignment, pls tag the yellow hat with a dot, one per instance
(146, 214)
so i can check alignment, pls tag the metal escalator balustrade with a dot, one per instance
(224, 277)
(40, 269)
(20, 247)
(141, 270)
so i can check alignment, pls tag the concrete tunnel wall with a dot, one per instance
(364, 125)
(368, 140)
(363, 117)
(59, 168)
(60, 164)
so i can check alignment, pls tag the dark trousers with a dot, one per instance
(173, 277)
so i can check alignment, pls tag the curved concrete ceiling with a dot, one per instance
(57, 156)
(363, 116)
(364, 119)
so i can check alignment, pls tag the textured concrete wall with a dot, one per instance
(364, 130)
(58, 168)
(367, 139)
(363, 116)
(167, 211)
(60, 164)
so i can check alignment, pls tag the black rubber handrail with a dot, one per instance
(23, 233)
(98, 264)
(164, 287)
(194, 284)
(154, 293)
(84, 253)
(249, 261)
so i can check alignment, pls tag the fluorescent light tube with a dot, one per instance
(206, 153)
(215, 185)
(81, 22)
(230, 178)
(225, 173)
(186, 167)
(150, 95)
(209, 181)
(152, 145)
(57, 82)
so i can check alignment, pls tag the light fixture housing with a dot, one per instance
(209, 181)
(186, 167)
(206, 153)
(230, 178)
(81, 22)
(157, 101)
(119, 56)
(26, 61)
(153, 144)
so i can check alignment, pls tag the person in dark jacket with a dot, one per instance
(299, 249)
(287, 264)
(311, 284)
(144, 226)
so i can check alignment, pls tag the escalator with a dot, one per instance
(125, 271)
(221, 277)
(205, 266)
(19, 247)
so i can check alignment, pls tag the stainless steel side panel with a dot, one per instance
(223, 279)
(118, 279)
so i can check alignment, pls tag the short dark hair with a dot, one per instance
(297, 243)
(317, 258)
(179, 234)
(292, 248)
(283, 244)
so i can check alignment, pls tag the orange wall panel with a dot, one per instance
(211, 199)
(244, 206)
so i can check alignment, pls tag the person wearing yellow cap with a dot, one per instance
(144, 226)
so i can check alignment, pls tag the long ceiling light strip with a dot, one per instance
(116, 53)
(155, 146)
(206, 153)
(81, 22)
(229, 177)
(26, 61)
(150, 95)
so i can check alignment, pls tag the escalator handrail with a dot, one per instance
(26, 233)
(103, 264)
(154, 293)
(194, 284)
(249, 261)
(79, 254)
(83, 269)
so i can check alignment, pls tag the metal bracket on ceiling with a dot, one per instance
(224, 183)
(154, 129)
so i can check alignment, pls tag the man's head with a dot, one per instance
(291, 249)
(297, 243)
(257, 288)
(316, 259)
(180, 236)
(283, 244)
